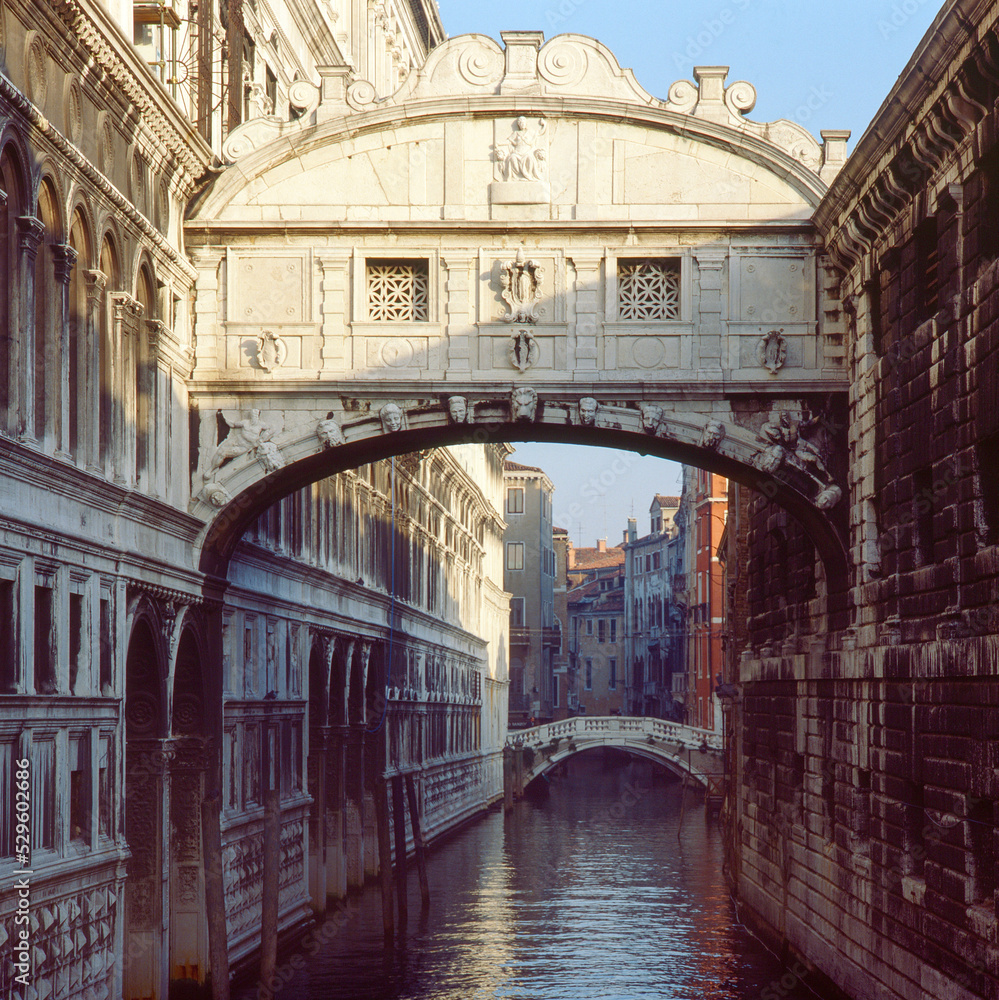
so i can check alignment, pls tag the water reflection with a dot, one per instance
(587, 894)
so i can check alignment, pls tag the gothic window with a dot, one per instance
(78, 348)
(46, 335)
(8, 754)
(79, 788)
(648, 289)
(10, 208)
(398, 291)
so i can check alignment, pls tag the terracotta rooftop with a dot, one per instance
(594, 558)
(665, 501)
(509, 466)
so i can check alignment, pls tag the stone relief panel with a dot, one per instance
(772, 290)
(522, 286)
(648, 353)
(268, 289)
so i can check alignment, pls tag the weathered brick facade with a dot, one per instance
(867, 771)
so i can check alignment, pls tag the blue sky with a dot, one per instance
(824, 65)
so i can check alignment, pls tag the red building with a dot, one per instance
(703, 510)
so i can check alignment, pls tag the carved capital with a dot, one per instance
(30, 232)
(155, 329)
(96, 283)
(64, 258)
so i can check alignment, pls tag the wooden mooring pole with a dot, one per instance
(384, 857)
(421, 854)
(399, 815)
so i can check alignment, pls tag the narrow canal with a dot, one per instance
(588, 894)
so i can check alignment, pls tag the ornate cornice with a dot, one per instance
(91, 26)
(94, 176)
(924, 120)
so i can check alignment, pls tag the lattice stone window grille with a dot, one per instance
(398, 291)
(648, 289)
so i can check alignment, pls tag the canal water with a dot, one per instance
(586, 894)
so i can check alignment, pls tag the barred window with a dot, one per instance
(648, 289)
(397, 291)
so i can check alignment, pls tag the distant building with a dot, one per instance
(565, 697)
(701, 518)
(653, 633)
(596, 640)
(529, 575)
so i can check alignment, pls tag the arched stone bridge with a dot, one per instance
(521, 243)
(674, 746)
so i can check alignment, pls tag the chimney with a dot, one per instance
(601, 545)
(632, 529)
(570, 557)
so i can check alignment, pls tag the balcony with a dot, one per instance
(520, 635)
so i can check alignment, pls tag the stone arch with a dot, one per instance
(80, 376)
(357, 690)
(13, 201)
(109, 266)
(189, 732)
(339, 675)
(146, 766)
(742, 453)
(47, 342)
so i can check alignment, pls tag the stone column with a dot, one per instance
(90, 428)
(335, 288)
(582, 344)
(65, 260)
(30, 232)
(459, 321)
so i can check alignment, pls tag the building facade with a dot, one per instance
(701, 516)
(529, 576)
(596, 643)
(652, 645)
(565, 694)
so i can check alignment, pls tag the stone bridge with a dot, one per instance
(533, 752)
(519, 244)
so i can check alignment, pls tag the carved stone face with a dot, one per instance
(329, 432)
(652, 416)
(523, 403)
(457, 407)
(391, 417)
(521, 123)
(714, 431)
(587, 410)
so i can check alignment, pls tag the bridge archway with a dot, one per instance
(519, 244)
(683, 750)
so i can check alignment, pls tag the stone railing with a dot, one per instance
(585, 728)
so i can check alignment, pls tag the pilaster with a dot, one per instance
(583, 342)
(335, 305)
(458, 309)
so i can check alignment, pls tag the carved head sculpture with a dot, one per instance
(457, 407)
(217, 496)
(587, 411)
(329, 432)
(391, 418)
(522, 122)
(711, 436)
(828, 498)
(652, 417)
(523, 403)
